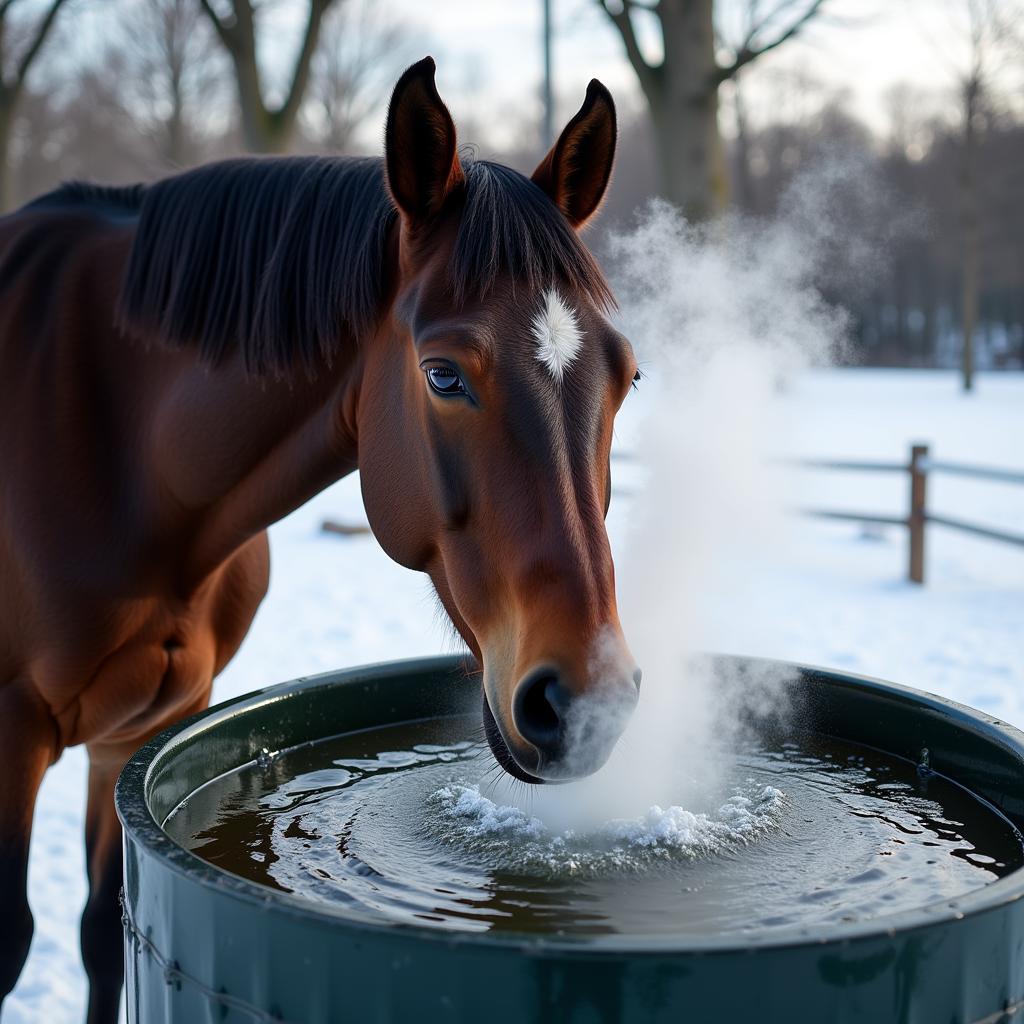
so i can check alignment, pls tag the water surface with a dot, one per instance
(397, 822)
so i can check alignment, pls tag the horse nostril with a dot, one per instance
(638, 677)
(536, 713)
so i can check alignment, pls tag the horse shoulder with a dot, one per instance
(118, 671)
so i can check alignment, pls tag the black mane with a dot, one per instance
(287, 257)
(112, 198)
(276, 256)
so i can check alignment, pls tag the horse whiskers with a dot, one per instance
(451, 639)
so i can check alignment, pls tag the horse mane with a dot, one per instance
(119, 198)
(287, 257)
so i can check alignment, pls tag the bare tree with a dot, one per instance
(971, 92)
(992, 29)
(265, 129)
(15, 63)
(171, 74)
(362, 53)
(682, 90)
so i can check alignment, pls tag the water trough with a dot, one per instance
(204, 945)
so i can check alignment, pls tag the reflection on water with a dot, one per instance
(394, 823)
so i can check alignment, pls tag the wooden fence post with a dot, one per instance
(918, 514)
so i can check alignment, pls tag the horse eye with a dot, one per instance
(445, 381)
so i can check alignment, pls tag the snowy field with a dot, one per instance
(834, 596)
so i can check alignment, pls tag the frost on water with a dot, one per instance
(515, 839)
(479, 816)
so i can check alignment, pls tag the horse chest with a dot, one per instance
(138, 689)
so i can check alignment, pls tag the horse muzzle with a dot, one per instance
(557, 734)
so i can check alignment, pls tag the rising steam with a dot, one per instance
(721, 319)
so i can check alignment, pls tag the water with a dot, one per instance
(397, 822)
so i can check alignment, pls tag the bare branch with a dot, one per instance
(361, 46)
(265, 129)
(6, 6)
(648, 74)
(757, 23)
(748, 52)
(42, 31)
(223, 31)
(300, 78)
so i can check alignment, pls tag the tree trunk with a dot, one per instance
(682, 92)
(175, 27)
(11, 84)
(971, 255)
(689, 147)
(6, 170)
(175, 132)
(259, 132)
(265, 130)
(899, 281)
(268, 135)
(744, 190)
(175, 148)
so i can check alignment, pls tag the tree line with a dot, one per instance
(168, 84)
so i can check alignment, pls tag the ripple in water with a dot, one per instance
(395, 824)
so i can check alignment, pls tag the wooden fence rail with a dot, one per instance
(918, 468)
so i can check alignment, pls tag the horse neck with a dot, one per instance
(243, 452)
(233, 454)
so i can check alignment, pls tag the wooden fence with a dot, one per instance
(918, 469)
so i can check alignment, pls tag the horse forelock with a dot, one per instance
(511, 230)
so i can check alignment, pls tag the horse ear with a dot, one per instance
(419, 145)
(576, 171)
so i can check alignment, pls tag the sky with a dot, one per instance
(490, 56)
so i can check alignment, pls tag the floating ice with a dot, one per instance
(514, 839)
(738, 819)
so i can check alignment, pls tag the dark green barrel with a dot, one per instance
(205, 946)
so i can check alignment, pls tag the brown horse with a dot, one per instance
(183, 364)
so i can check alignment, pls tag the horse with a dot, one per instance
(186, 362)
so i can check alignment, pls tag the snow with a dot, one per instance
(838, 598)
(846, 602)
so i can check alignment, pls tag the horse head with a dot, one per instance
(486, 411)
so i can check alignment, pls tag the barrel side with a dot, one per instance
(196, 954)
(202, 945)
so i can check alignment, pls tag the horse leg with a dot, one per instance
(244, 584)
(101, 935)
(28, 741)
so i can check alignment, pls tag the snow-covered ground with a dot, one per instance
(836, 596)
